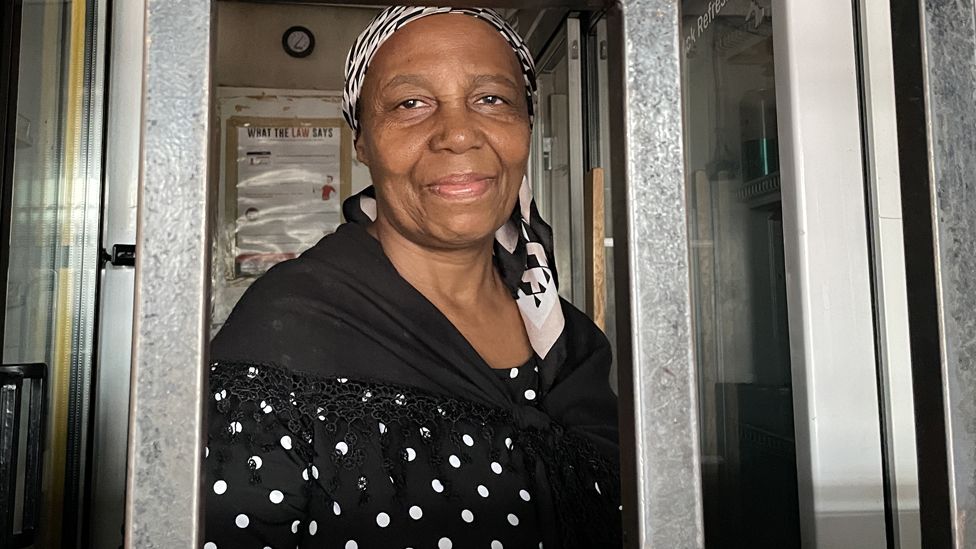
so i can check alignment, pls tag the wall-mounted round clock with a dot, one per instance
(298, 42)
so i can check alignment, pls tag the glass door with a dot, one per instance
(738, 280)
(53, 176)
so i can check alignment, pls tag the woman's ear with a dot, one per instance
(361, 154)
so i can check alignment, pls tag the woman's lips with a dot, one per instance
(462, 186)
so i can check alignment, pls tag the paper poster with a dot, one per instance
(288, 192)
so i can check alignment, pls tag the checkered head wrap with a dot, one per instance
(523, 245)
(393, 19)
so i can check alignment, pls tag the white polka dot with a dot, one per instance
(467, 516)
(313, 527)
(220, 395)
(210, 545)
(454, 461)
(416, 512)
(276, 496)
(382, 428)
(206, 451)
(242, 521)
(294, 526)
(496, 467)
(496, 545)
(351, 544)
(444, 543)
(437, 485)
(220, 487)
(524, 495)
(468, 440)
(513, 373)
(482, 490)
(425, 432)
(508, 443)
(597, 486)
(266, 408)
(382, 520)
(235, 427)
(336, 509)
(286, 442)
(255, 462)
(313, 469)
(411, 454)
(512, 519)
(530, 394)
(342, 448)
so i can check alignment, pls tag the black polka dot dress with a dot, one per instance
(298, 461)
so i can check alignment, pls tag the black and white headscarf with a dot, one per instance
(523, 245)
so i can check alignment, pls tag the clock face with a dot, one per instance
(298, 41)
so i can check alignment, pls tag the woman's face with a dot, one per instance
(445, 130)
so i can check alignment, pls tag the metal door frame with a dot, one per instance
(659, 436)
(943, 247)
(659, 419)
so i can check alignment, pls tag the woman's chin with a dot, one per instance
(455, 235)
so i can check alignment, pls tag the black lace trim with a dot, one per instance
(350, 409)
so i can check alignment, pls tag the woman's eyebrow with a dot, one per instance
(494, 79)
(422, 81)
(407, 79)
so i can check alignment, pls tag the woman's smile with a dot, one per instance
(462, 187)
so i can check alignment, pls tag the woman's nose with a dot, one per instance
(457, 130)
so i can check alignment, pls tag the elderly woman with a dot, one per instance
(414, 380)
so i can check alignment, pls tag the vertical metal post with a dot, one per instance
(659, 439)
(949, 50)
(172, 286)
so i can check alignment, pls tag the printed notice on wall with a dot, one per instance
(288, 192)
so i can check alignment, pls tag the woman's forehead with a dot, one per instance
(442, 41)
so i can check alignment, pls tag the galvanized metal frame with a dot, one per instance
(659, 409)
(172, 285)
(658, 393)
(949, 56)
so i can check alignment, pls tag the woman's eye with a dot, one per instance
(411, 104)
(492, 100)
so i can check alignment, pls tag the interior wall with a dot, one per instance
(250, 55)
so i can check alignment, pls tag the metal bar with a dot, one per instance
(122, 130)
(172, 281)
(659, 411)
(949, 57)
(920, 274)
(577, 216)
(879, 128)
(838, 436)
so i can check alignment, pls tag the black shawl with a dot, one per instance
(342, 310)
